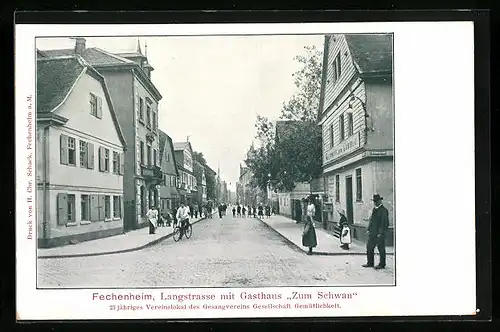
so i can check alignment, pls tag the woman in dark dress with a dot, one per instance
(344, 235)
(309, 234)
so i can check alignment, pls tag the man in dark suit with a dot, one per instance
(377, 229)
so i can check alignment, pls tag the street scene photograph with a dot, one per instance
(215, 161)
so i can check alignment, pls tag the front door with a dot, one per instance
(348, 200)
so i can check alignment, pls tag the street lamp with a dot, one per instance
(268, 188)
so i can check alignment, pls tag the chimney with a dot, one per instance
(79, 45)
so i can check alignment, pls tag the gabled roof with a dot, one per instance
(178, 146)
(95, 56)
(56, 79)
(372, 53)
(102, 59)
(163, 141)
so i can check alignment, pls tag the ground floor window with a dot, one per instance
(359, 185)
(117, 207)
(143, 201)
(337, 188)
(71, 208)
(107, 207)
(85, 208)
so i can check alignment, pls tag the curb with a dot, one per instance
(122, 251)
(318, 253)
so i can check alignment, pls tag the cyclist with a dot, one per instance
(183, 216)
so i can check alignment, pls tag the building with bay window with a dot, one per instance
(169, 195)
(357, 118)
(79, 154)
(135, 100)
(186, 184)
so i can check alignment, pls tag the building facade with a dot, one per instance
(80, 154)
(186, 184)
(135, 100)
(357, 119)
(201, 180)
(169, 195)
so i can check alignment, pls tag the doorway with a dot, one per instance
(348, 200)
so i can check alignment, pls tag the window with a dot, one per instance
(83, 154)
(107, 207)
(106, 160)
(336, 69)
(341, 127)
(167, 157)
(155, 124)
(71, 208)
(142, 152)
(154, 157)
(350, 125)
(331, 135)
(95, 106)
(85, 208)
(359, 185)
(141, 109)
(337, 188)
(148, 116)
(149, 155)
(115, 162)
(117, 207)
(143, 201)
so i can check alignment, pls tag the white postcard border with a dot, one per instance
(434, 165)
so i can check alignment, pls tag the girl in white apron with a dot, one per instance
(345, 231)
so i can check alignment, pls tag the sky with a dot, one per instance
(213, 87)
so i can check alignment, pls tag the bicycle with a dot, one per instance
(179, 231)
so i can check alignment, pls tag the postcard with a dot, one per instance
(245, 170)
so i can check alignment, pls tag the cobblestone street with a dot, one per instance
(224, 252)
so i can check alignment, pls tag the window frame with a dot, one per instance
(359, 184)
(337, 188)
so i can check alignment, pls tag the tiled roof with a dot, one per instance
(95, 56)
(371, 52)
(55, 78)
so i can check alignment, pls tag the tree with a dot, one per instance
(210, 177)
(290, 151)
(198, 156)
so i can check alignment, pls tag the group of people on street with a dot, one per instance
(182, 213)
(241, 211)
(376, 231)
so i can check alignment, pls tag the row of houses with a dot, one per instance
(102, 161)
(356, 114)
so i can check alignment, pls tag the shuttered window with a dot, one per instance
(337, 70)
(95, 106)
(155, 123)
(83, 154)
(106, 160)
(155, 156)
(71, 208)
(67, 150)
(116, 162)
(62, 208)
(148, 116)
(85, 207)
(107, 207)
(117, 207)
(90, 155)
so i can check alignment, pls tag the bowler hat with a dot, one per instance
(377, 197)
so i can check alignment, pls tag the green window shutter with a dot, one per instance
(64, 149)
(94, 208)
(90, 155)
(101, 207)
(99, 107)
(62, 208)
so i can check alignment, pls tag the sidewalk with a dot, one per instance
(127, 242)
(327, 243)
